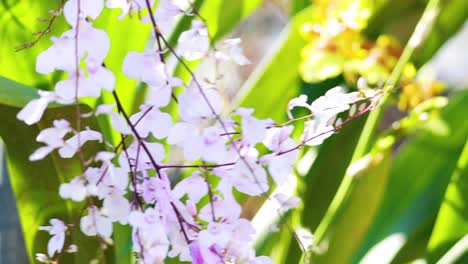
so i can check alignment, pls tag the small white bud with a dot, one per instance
(274, 228)
(362, 107)
(72, 248)
(352, 110)
(424, 116)
(42, 258)
(362, 84)
(338, 122)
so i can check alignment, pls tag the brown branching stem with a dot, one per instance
(55, 15)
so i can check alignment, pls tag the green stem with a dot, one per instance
(366, 140)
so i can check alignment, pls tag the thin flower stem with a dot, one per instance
(210, 194)
(181, 219)
(135, 132)
(156, 166)
(196, 166)
(77, 75)
(334, 130)
(116, 148)
(158, 36)
(142, 253)
(132, 175)
(102, 175)
(230, 133)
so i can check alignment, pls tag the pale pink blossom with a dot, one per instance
(136, 152)
(196, 105)
(253, 129)
(215, 147)
(94, 43)
(57, 230)
(188, 137)
(151, 120)
(194, 186)
(52, 137)
(161, 96)
(165, 15)
(117, 206)
(286, 202)
(230, 50)
(73, 144)
(194, 44)
(34, 110)
(75, 190)
(86, 8)
(334, 101)
(300, 101)
(146, 66)
(96, 223)
(247, 176)
(126, 6)
(315, 132)
(225, 208)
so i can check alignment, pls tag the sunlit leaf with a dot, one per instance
(18, 21)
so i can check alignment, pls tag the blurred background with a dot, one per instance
(259, 33)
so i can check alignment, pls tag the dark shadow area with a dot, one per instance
(12, 249)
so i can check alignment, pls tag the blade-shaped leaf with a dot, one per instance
(36, 184)
(451, 18)
(398, 17)
(362, 203)
(452, 220)
(325, 175)
(419, 177)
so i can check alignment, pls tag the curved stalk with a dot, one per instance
(365, 143)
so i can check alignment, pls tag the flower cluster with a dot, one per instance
(198, 219)
(337, 46)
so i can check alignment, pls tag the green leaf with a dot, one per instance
(18, 21)
(452, 220)
(416, 243)
(298, 5)
(395, 17)
(223, 15)
(399, 17)
(270, 87)
(362, 203)
(15, 94)
(451, 18)
(36, 184)
(457, 254)
(419, 177)
(327, 171)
